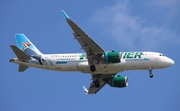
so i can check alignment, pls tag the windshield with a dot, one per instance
(161, 55)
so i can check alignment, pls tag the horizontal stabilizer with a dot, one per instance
(22, 68)
(19, 53)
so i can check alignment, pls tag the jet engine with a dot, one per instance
(119, 81)
(112, 57)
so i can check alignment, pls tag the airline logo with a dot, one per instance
(132, 55)
(27, 43)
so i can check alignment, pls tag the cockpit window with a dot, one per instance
(161, 55)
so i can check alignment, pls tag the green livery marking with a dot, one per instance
(82, 56)
(134, 55)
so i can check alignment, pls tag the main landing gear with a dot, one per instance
(96, 84)
(92, 68)
(150, 73)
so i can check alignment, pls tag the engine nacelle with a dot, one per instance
(119, 81)
(113, 57)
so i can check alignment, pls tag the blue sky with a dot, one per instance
(121, 25)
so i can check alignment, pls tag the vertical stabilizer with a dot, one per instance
(24, 44)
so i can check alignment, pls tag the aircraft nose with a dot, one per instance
(171, 62)
(168, 62)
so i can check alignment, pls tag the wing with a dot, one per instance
(103, 80)
(90, 46)
(93, 51)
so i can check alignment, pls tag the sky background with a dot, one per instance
(120, 25)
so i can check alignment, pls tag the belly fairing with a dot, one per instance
(102, 68)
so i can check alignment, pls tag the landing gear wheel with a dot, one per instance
(151, 75)
(96, 84)
(92, 68)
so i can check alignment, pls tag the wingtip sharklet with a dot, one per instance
(64, 14)
(85, 90)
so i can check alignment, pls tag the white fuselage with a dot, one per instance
(78, 62)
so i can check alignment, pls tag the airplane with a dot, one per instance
(101, 64)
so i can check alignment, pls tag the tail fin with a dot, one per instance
(24, 44)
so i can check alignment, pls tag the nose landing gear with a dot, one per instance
(150, 73)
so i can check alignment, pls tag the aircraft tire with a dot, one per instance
(92, 68)
(151, 75)
(96, 84)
